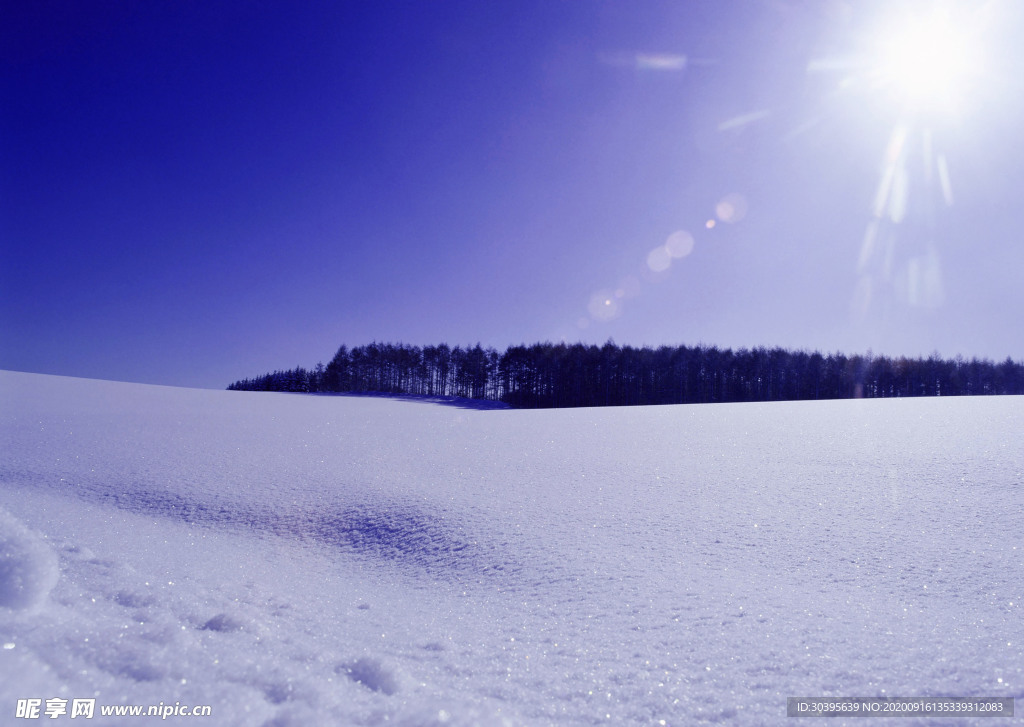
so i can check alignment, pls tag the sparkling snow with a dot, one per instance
(300, 560)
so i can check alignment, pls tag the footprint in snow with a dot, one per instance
(372, 674)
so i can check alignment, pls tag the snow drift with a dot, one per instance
(28, 568)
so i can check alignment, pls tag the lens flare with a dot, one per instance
(660, 62)
(923, 282)
(732, 208)
(947, 187)
(743, 120)
(679, 244)
(664, 62)
(603, 306)
(659, 259)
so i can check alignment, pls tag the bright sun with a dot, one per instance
(926, 61)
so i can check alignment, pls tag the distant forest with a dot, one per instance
(546, 375)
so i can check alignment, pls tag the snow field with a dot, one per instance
(340, 560)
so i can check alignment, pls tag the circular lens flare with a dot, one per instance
(659, 259)
(679, 244)
(603, 305)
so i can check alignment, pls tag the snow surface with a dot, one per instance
(301, 560)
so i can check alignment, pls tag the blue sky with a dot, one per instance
(192, 193)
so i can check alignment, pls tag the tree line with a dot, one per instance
(545, 375)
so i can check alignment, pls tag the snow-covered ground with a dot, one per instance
(307, 560)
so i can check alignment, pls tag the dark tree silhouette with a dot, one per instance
(561, 375)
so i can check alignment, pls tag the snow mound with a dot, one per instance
(28, 566)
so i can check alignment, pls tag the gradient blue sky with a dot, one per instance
(192, 193)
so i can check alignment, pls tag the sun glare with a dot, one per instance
(926, 61)
(932, 65)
